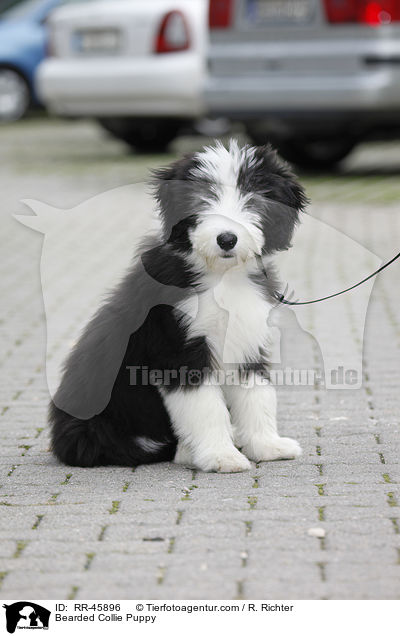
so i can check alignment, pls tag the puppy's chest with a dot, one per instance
(233, 317)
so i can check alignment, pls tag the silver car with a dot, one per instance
(313, 76)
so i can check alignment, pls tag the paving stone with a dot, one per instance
(163, 531)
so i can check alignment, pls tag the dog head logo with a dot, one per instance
(26, 615)
(87, 249)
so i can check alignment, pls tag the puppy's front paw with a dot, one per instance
(226, 461)
(272, 448)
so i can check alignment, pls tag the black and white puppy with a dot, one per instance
(173, 365)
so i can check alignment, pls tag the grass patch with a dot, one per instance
(101, 533)
(396, 526)
(72, 595)
(252, 501)
(37, 522)
(322, 570)
(171, 545)
(115, 507)
(249, 527)
(161, 574)
(89, 558)
(21, 545)
(239, 590)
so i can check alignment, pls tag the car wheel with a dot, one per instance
(312, 153)
(144, 135)
(15, 96)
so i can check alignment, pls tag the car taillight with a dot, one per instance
(372, 12)
(220, 14)
(173, 34)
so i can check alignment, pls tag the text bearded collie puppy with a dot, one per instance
(140, 385)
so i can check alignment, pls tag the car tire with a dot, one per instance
(15, 95)
(143, 135)
(310, 153)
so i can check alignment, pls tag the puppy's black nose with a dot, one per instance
(227, 241)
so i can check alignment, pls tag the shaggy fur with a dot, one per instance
(194, 302)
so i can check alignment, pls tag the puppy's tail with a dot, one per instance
(96, 442)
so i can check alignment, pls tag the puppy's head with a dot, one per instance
(223, 207)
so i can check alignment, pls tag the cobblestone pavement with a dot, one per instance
(164, 531)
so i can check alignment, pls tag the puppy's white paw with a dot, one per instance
(226, 461)
(272, 449)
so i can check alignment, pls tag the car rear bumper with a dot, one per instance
(170, 85)
(253, 80)
(252, 97)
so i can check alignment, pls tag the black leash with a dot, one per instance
(281, 297)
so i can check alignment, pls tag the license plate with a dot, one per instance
(263, 11)
(97, 41)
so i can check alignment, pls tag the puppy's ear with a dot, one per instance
(172, 189)
(280, 182)
(283, 196)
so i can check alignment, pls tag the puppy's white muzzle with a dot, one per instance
(222, 242)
